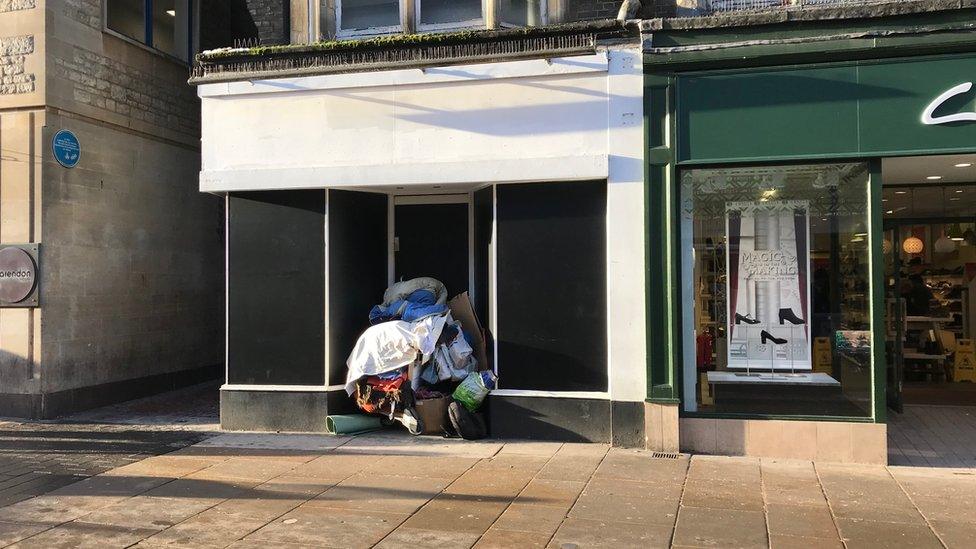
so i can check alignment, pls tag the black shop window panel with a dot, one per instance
(276, 288)
(358, 270)
(552, 287)
(483, 218)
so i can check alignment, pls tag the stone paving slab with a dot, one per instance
(37, 457)
(391, 490)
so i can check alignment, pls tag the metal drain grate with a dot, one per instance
(665, 455)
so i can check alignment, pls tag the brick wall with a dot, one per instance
(271, 19)
(582, 10)
(657, 8)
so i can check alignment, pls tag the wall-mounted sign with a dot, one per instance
(67, 149)
(928, 115)
(18, 277)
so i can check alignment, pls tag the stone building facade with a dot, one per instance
(130, 280)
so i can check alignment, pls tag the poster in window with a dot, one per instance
(768, 285)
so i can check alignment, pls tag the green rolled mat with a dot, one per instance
(352, 424)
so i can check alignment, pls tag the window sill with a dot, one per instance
(140, 45)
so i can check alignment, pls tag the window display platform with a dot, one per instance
(805, 393)
(817, 379)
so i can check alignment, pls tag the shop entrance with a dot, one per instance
(430, 238)
(929, 206)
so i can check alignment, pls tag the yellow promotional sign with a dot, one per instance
(822, 357)
(964, 365)
(705, 390)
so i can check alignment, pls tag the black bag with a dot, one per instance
(467, 425)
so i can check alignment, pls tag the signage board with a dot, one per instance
(964, 363)
(18, 276)
(896, 107)
(67, 149)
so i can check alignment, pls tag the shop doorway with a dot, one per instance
(430, 238)
(929, 245)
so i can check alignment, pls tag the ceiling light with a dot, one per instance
(901, 192)
(860, 234)
(934, 177)
(884, 199)
(964, 164)
(958, 191)
(889, 212)
(955, 232)
(953, 199)
(171, 13)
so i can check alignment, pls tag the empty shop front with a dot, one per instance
(306, 266)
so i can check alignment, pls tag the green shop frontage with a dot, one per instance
(811, 228)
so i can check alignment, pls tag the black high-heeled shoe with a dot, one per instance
(739, 319)
(764, 335)
(789, 316)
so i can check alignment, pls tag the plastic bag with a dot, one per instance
(473, 390)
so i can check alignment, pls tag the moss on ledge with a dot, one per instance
(606, 26)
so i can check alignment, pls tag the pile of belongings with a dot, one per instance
(415, 348)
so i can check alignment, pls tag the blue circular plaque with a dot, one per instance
(67, 149)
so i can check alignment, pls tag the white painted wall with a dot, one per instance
(574, 118)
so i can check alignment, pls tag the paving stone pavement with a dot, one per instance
(933, 436)
(391, 490)
(37, 457)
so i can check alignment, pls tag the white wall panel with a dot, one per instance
(390, 130)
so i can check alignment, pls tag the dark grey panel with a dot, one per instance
(433, 242)
(552, 288)
(276, 279)
(627, 424)
(565, 419)
(484, 215)
(358, 272)
(274, 411)
(60, 403)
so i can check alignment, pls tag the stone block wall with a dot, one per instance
(131, 263)
(101, 82)
(134, 268)
(14, 78)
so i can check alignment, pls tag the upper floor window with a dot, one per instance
(374, 17)
(439, 14)
(164, 25)
(367, 16)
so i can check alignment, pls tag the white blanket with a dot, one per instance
(391, 345)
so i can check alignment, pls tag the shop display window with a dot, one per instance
(776, 312)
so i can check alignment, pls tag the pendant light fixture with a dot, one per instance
(886, 246)
(913, 244)
(955, 232)
(944, 245)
